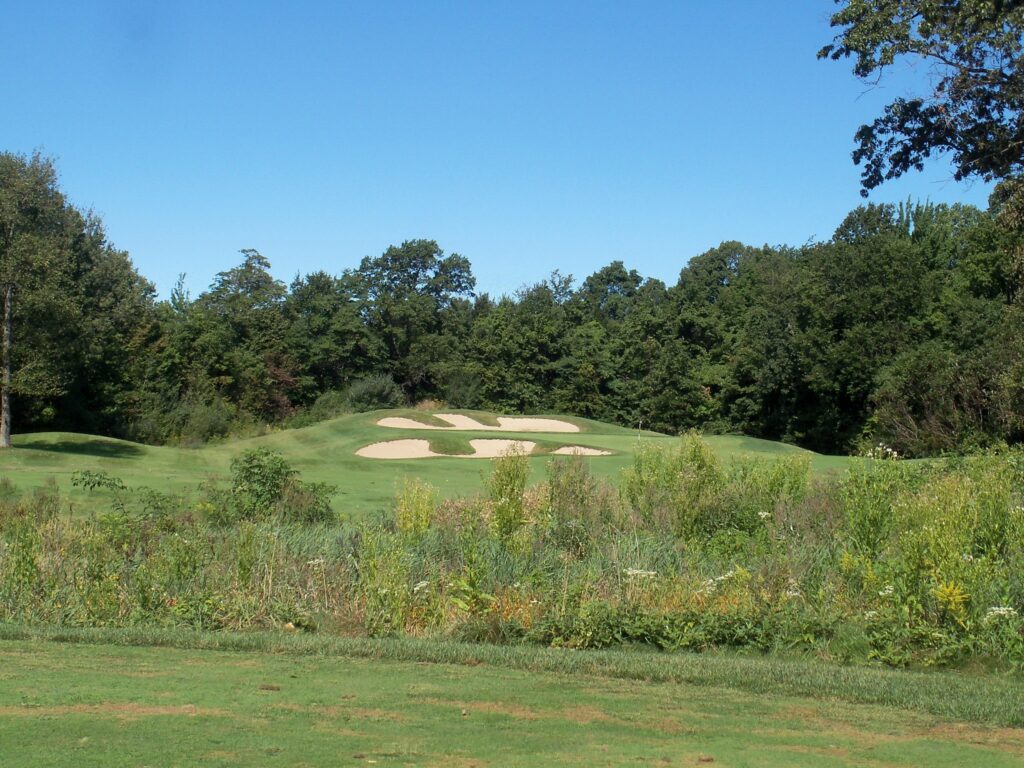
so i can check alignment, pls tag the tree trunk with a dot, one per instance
(5, 370)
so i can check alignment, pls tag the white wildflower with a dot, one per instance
(419, 586)
(871, 615)
(887, 590)
(882, 452)
(1000, 612)
(764, 515)
(712, 584)
(639, 574)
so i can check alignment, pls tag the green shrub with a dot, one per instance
(759, 491)
(505, 489)
(867, 495)
(581, 506)
(896, 563)
(415, 503)
(384, 566)
(264, 484)
(678, 488)
(329, 405)
(374, 393)
(259, 478)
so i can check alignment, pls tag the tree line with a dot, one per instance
(904, 327)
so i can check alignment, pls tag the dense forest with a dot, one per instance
(905, 327)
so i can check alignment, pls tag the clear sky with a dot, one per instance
(526, 136)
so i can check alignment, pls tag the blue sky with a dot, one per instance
(527, 136)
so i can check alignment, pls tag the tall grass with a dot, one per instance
(893, 563)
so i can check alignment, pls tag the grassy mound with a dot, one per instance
(325, 452)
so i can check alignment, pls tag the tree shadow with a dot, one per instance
(103, 449)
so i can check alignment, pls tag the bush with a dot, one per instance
(414, 507)
(374, 393)
(760, 491)
(505, 489)
(867, 495)
(580, 505)
(677, 488)
(329, 405)
(264, 485)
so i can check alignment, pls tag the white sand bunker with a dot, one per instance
(506, 423)
(420, 449)
(580, 450)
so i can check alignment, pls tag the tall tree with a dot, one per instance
(33, 279)
(974, 109)
(326, 336)
(406, 293)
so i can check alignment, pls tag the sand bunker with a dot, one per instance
(580, 450)
(420, 449)
(506, 423)
(482, 449)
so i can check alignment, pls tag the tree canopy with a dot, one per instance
(971, 110)
(905, 326)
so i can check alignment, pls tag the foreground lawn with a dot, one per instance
(107, 705)
(325, 452)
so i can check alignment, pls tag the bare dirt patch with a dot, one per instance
(583, 715)
(1010, 740)
(336, 712)
(123, 711)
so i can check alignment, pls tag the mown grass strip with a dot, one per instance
(989, 699)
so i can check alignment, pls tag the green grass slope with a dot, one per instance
(325, 452)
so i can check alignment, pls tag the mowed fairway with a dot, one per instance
(100, 705)
(326, 452)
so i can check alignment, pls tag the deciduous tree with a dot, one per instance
(973, 106)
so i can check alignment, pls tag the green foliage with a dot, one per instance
(505, 488)
(898, 563)
(977, 86)
(679, 488)
(581, 506)
(259, 478)
(414, 507)
(384, 567)
(92, 480)
(903, 327)
(263, 485)
(329, 405)
(373, 394)
(867, 495)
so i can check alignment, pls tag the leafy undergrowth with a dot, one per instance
(899, 564)
(166, 706)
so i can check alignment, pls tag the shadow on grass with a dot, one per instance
(103, 449)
